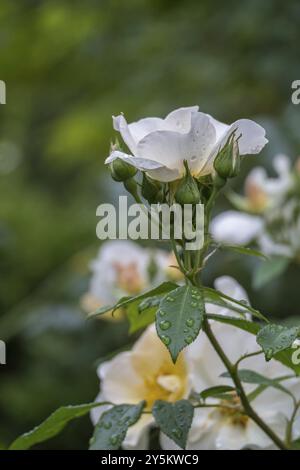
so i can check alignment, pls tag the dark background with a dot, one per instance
(68, 66)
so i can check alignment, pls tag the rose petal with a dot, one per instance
(172, 148)
(179, 120)
(236, 227)
(120, 125)
(139, 163)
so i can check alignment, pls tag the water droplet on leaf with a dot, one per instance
(189, 339)
(166, 340)
(165, 324)
(113, 439)
(176, 433)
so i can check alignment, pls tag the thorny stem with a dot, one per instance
(289, 430)
(239, 387)
(231, 368)
(200, 254)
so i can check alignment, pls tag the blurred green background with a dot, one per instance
(68, 66)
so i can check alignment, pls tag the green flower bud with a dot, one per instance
(187, 191)
(131, 186)
(121, 171)
(219, 182)
(227, 162)
(151, 190)
(160, 196)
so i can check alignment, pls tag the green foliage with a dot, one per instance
(151, 190)
(244, 250)
(252, 377)
(243, 324)
(219, 391)
(275, 338)
(138, 319)
(174, 419)
(111, 429)
(179, 318)
(126, 301)
(285, 357)
(218, 298)
(52, 425)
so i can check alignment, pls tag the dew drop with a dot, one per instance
(170, 299)
(161, 313)
(165, 324)
(190, 322)
(166, 340)
(176, 433)
(107, 424)
(188, 339)
(194, 304)
(113, 439)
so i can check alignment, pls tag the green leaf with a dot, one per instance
(245, 325)
(174, 419)
(213, 296)
(255, 393)
(137, 319)
(217, 391)
(125, 301)
(111, 429)
(269, 270)
(244, 250)
(275, 338)
(252, 377)
(215, 299)
(150, 302)
(179, 318)
(285, 357)
(100, 311)
(159, 290)
(52, 425)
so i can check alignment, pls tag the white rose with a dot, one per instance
(160, 146)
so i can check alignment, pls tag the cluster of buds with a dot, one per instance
(189, 189)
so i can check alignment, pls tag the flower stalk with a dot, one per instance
(232, 369)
